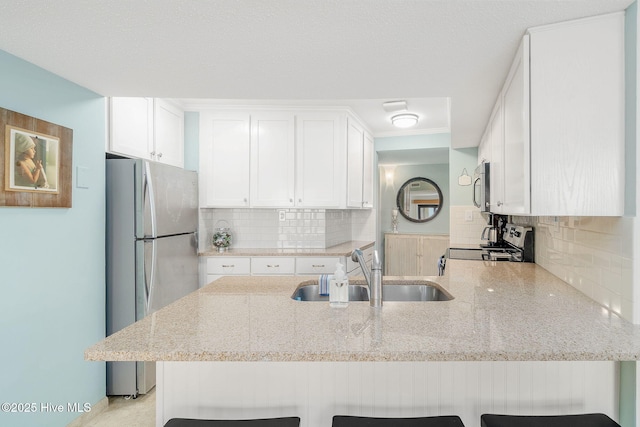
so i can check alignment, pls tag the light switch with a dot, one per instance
(281, 216)
(82, 177)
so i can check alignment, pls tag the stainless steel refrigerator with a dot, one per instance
(152, 220)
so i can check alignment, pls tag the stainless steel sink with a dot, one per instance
(414, 292)
(311, 292)
(392, 290)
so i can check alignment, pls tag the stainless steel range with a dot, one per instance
(515, 243)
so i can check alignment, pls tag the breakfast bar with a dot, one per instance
(513, 339)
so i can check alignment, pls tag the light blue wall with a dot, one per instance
(388, 193)
(630, 54)
(464, 158)
(412, 142)
(52, 303)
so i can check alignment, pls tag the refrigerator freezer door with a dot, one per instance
(170, 200)
(170, 270)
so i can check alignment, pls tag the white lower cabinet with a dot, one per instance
(308, 266)
(227, 266)
(219, 266)
(264, 266)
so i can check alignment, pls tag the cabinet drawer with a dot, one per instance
(317, 265)
(229, 266)
(273, 265)
(368, 257)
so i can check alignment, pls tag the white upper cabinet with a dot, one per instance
(367, 171)
(320, 160)
(557, 129)
(577, 117)
(131, 126)
(514, 134)
(355, 152)
(277, 159)
(272, 160)
(496, 142)
(147, 128)
(359, 166)
(224, 160)
(168, 133)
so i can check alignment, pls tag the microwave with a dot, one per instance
(482, 187)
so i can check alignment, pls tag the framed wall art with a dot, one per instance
(35, 162)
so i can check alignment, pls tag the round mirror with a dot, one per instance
(419, 200)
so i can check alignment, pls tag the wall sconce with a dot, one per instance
(464, 179)
(389, 174)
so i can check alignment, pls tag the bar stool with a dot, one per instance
(265, 422)
(442, 421)
(579, 420)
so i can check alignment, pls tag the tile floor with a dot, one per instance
(140, 412)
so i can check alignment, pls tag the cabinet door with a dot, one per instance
(577, 117)
(497, 160)
(367, 171)
(516, 187)
(224, 160)
(168, 133)
(401, 255)
(272, 160)
(320, 161)
(484, 149)
(317, 265)
(431, 249)
(355, 153)
(131, 127)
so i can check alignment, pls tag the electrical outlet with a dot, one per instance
(281, 215)
(468, 216)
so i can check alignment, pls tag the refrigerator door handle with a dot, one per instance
(149, 278)
(150, 201)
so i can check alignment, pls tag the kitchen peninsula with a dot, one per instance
(514, 339)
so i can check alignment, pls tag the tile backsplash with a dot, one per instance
(592, 254)
(462, 232)
(301, 228)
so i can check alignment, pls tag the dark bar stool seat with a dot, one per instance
(265, 422)
(443, 421)
(579, 420)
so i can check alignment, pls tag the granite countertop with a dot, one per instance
(343, 249)
(500, 311)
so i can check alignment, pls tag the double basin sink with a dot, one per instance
(392, 290)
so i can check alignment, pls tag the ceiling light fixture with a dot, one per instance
(404, 120)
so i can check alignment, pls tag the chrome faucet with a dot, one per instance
(373, 277)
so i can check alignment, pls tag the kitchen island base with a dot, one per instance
(315, 391)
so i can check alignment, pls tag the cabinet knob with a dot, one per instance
(499, 203)
(290, 200)
(245, 200)
(159, 154)
(153, 153)
(299, 200)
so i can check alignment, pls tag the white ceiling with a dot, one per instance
(342, 52)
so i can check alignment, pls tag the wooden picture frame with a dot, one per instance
(35, 162)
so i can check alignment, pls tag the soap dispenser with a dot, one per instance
(339, 288)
